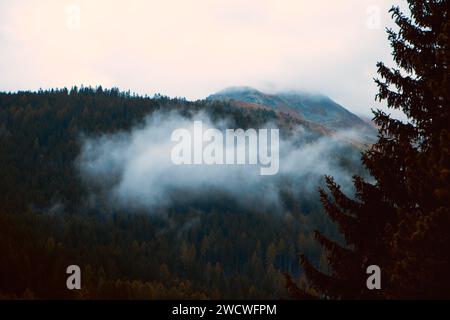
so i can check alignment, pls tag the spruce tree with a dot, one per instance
(400, 221)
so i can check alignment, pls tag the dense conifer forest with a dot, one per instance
(212, 249)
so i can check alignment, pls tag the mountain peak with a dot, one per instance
(245, 95)
(238, 89)
(313, 107)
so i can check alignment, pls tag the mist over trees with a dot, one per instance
(212, 247)
(208, 244)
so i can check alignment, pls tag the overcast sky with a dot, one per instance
(192, 48)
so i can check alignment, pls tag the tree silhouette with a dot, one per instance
(401, 220)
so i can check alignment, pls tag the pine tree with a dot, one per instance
(401, 221)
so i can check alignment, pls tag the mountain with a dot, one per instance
(203, 243)
(318, 109)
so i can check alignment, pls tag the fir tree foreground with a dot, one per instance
(401, 220)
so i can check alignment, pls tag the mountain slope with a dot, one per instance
(318, 109)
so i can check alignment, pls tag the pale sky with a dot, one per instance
(192, 48)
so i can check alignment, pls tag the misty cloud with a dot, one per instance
(133, 170)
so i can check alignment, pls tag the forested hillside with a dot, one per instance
(212, 249)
